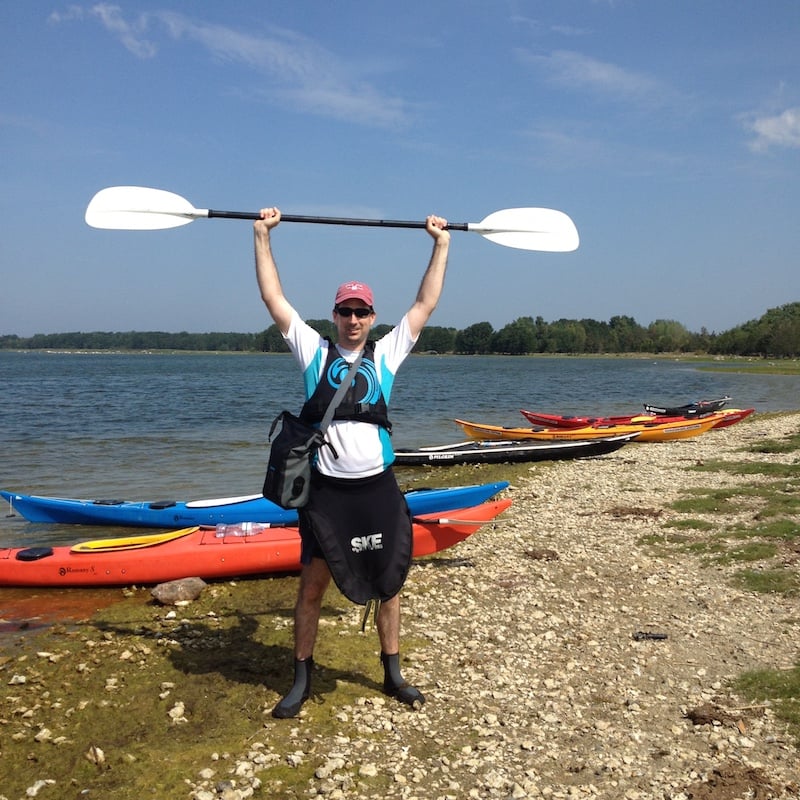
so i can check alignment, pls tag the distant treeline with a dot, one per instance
(775, 335)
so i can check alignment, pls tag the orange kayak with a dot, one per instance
(647, 431)
(206, 552)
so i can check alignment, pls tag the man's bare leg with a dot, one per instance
(389, 625)
(314, 580)
(389, 635)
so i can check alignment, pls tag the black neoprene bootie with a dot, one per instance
(290, 705)
(395, 686)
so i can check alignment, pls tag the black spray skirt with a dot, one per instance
(364, 530)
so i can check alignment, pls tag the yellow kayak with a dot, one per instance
(648, 431)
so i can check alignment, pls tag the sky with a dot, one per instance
(668, 131)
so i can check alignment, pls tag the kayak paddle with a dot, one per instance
(137, 208)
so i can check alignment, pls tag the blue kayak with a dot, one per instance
(228, 510)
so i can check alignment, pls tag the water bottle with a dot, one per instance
(240, 529)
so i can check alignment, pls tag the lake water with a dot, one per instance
(149, 427)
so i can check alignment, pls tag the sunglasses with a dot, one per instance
(361, 313)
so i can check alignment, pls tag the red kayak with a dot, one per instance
(728, 416)
(206, 552)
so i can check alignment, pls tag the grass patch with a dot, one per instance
(706, 547)
(781, 688)
(766, 469)
(769, 500)
(768, 581)
(706, 501)
(788, 444)
(690, 524)
(787, 530)
(662, 544)
(752, 551)
(779, 503)
(752, 367)
(465, 474)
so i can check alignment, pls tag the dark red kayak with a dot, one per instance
(652, 414)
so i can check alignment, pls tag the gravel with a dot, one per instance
(568, 651)
(563, 658)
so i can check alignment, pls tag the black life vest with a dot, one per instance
(364, 400)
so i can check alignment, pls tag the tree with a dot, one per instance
(271, 341)
(668, 336)
(598, 336)
(702, 342)
(324, 327)
(379, 331)
(436, 339)
(784, 340)
(629, 335)
(517, 338)
(775, 334)
(566, 336)
(781, 327)
(475, 339)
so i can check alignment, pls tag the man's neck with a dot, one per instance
(350, 350)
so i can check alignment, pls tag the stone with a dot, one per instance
(175, 592)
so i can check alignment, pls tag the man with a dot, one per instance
(353, 478)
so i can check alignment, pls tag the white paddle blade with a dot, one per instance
(137, 208)
(542, 229)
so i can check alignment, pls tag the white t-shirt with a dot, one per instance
(364, 448)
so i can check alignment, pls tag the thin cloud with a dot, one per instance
(537, 27)
(781, 130)
(131, 34)
(564, 143)
(300, 71)
(23, 123)
(569, 30)
(583, 73)
(364, 105)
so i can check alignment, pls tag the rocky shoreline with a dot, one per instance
(561, 654)
(545, 670)
(565, 698)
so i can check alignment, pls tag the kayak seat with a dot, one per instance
(108, 502)
(34, 553)
(159, 504)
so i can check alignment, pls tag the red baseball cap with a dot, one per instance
(353, 290)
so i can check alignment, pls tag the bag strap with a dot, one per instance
(340, 393)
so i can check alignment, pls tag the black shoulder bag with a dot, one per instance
(293, 449)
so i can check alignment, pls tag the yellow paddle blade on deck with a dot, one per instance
(130, 542)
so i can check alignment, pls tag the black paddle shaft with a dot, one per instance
(373, 223)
